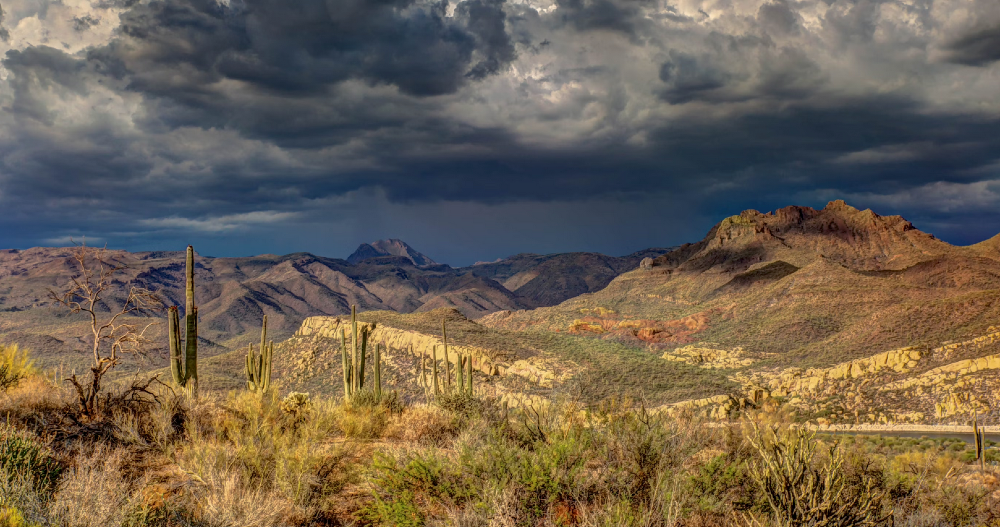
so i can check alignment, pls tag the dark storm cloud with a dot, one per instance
(978, 48)
(625, 16)
(265, 116)
(300, 48)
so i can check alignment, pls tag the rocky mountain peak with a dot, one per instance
(859, 239)
(390, 247)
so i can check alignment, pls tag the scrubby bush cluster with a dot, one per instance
(163, 458)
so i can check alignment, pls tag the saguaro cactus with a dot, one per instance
(184, 368)
(447, 361)
(378, 372)
(354, 366)
(259, 366)
(980, 450)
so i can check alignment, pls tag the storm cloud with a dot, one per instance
(267, 126)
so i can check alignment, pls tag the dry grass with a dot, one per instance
(97, 492)
(239, 459)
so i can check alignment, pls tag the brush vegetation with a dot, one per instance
(160, 457)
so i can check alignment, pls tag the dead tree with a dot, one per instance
(113, 332)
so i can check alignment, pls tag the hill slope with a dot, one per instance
(812, 286)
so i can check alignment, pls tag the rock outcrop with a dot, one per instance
(417, 344)
(705, 357)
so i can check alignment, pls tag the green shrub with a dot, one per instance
(803, 489)
(22, 455)
(15, 364)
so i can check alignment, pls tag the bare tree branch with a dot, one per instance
(113, 334)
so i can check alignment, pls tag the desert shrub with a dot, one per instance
(229, 500)
(533, 478)
(363, 422)
(466, 409)
(265, 449)
(802, 488)
(20, 503)
(427, 425)
(23, 455)
(638, 447)
(15, 364)
(97, 492)
(153, 419)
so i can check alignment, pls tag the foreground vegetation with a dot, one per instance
(160, 457)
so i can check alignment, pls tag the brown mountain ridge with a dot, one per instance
(810, 286)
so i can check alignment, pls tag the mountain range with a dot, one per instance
(233, 294)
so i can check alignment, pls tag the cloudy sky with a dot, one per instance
(482, 128)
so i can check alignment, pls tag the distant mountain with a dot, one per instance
(545, 280)
(390, 247)
(814, 286)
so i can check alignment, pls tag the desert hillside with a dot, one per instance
(811, 287)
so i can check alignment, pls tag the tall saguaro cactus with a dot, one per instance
(354, 366)
(259, 366)
(184, 368)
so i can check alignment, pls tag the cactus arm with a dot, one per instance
(434, 368)
(249, 365)
(460, 370)
(174, 335)
(423, 368)
(189, 274)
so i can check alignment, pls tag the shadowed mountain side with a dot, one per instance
(545, 280)
(814, 286)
